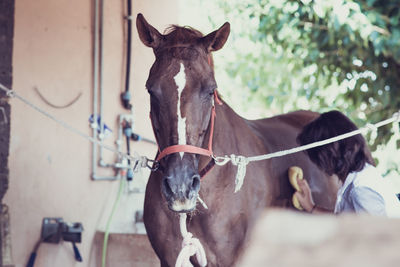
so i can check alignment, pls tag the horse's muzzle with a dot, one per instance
(181, 192)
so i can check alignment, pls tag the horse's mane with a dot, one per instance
(181, 34)
(180, 42)
(179, 31)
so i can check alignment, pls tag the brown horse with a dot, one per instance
(182, 88)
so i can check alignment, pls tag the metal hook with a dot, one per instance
(10, 93)
(221, 160)
(154, 166)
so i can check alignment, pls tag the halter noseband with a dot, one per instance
(194, 149)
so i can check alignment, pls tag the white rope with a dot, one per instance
(135, 160)
(190, 246)
(237, 160)
(242, 161)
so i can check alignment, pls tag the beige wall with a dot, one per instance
(50, 166)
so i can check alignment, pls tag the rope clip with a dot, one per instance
(9, 92)
(153, 165)
(220, 161)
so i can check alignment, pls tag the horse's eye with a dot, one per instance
(208, 89)
(211, 90)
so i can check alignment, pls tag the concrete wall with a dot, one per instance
(50, 166)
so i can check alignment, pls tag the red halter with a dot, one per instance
(194, 149)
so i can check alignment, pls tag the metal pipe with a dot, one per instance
(98, 86)
(128, 44)
(101, 59)
(101, 94)
(98, 96)
(95, 80)
(126, 96)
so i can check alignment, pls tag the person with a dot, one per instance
(363, 189)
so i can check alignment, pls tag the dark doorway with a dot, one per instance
(6, 47)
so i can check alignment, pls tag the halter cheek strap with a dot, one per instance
(194, 149)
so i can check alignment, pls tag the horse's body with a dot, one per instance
(224, 227)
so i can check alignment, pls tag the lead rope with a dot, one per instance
(190, 246)
(242, 161)
(141, 161)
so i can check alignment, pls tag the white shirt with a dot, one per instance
(367, 191)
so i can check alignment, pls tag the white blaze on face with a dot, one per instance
(180, 80)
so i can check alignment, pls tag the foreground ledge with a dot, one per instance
(287, 238)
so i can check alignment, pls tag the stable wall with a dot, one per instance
(50, 167)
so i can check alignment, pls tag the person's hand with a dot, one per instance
(304, 195)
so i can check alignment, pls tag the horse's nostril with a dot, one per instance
(195, 182)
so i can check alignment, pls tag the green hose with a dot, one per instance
(106, 233)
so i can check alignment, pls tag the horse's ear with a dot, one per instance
(147, 33)
(216, 40)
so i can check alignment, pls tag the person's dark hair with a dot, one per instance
(341, 157)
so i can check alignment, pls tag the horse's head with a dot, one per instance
(181, 85)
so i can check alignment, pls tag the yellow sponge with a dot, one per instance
(294, 174)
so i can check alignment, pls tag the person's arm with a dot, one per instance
(305, 198)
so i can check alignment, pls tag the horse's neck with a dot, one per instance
(232, 135)
(230, 129)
